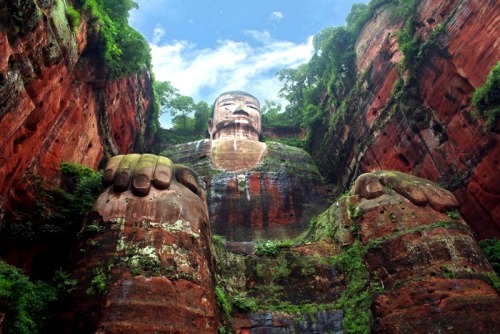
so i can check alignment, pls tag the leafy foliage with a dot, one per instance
(58, 213)
(121, 48)
(63, 282)
(73, 16)
(491, 248)
(356, 299)
(25, 303)
(98, 283)
(223, 301)
(244, 303)
(271, 247)
(319, 90)
(189, 119)
(88, 187)
(486, 99)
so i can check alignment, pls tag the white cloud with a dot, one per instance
(158, 34)
(205, 73)
(276, 16)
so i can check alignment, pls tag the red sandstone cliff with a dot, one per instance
(57, 104)
(431, 132)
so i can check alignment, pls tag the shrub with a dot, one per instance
(486, 99)
(73, 16)
(223, 301)
(88, 187)
(244, 303)
(122, 48)
(271, 247)
(491, 248)
(26, 302)
(98, 283)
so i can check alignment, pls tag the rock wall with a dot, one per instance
(427, 128)
(56, 102)
(429, 267)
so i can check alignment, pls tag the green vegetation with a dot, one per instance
(357, 298)
(74, 17)
(246, 304)
(63, 282)
(98, 283)
(486, 99)
(491, 248)
(26, 304)
(331, 70)
(94, 227)
(189, 119)
(88, 187)
(121, 48)
(291, 141)
(455, 215)
(223, 302)
(58, 212)
(271, 247)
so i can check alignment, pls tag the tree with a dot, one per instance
(294, 82)
(270, 112)
(201, 115)
(118, 10)
(165, 92)
(180, 108)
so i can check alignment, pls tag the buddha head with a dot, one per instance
(236, 114)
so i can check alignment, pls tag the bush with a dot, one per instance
(223, 302)
(73, 16)
(268, 247)
(122, 48)
(246, 304)
(88, 187)
(491, 248)
(486, 99)
(25, 303)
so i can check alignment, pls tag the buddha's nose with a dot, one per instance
(239, 107)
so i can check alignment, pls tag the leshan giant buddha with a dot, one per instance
(255, 190)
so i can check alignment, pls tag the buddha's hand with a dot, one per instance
(139, 172)
(417, 190)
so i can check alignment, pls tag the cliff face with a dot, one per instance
(427, 127)
(56, 103)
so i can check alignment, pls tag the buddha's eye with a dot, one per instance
(225, 104)
(252, 106)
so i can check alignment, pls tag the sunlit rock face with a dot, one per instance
(57, 104)
(433, 134)
(153, 254)
(265, 194)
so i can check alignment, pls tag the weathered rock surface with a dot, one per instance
(432, 132)
(430, 272)
(433, 273)
(266, 195)
(57, 104)
(153, 256)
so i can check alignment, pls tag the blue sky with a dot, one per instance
(206, 47)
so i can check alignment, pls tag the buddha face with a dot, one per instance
(234, 112)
